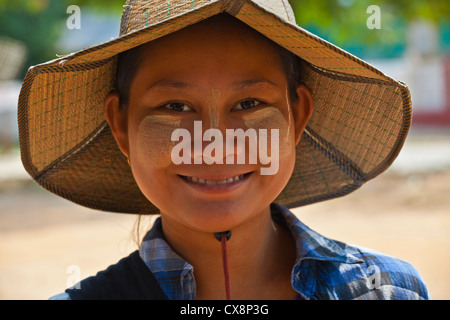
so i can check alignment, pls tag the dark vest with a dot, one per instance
(129, 279)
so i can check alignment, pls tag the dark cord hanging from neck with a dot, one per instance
(223, 237)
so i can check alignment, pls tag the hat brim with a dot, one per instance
(360, 120)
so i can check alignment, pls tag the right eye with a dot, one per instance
(178, 107)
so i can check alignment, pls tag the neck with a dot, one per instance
(261, 255)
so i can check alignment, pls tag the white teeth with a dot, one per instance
(215, 182)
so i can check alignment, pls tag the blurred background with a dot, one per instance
(47, 243)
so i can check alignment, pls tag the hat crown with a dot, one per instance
(139, 14)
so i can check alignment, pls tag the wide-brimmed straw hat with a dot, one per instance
(360, 121)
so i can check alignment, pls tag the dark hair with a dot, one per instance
(292, 68)
(127, 65)
(129, 61)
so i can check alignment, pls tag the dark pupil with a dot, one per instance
(248, 104)
(177, 106)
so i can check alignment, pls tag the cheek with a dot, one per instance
(272, 119)
(153, 144)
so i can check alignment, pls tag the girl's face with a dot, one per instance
(228, 77)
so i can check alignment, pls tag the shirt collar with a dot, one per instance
(176, 277)
(312, 245)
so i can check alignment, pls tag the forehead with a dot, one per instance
(217, 47)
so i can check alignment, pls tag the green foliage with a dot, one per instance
(37, 6)
(40, 23)
(103, 6)
(37, 24)
(343, 22)
(324, 12)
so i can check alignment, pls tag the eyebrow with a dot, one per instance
(167, 83)
(252, 82)
(237, 85)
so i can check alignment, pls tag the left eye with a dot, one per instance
(247, 104)
(178, 106)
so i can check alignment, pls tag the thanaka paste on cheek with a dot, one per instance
(154, 144)
(271, 118)
(271, 125)
(286, 138)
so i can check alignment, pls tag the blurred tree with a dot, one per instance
(321, 11)
(35, 23)
(39, 23)
(343, 22)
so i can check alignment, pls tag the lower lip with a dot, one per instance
(218, 188)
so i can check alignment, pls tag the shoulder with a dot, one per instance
(128, 279)
(376, 276)
(390, 277)
(330, 269)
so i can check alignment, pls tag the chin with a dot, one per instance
(217, 216)
(214, 216)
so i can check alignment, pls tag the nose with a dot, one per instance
(214, 113)
(215, 121)
(217, 114)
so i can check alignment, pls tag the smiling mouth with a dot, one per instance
(216, 182)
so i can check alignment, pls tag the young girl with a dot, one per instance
(219, 116)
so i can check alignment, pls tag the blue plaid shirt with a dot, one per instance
(325, 268)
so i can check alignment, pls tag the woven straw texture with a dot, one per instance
(359, 125)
